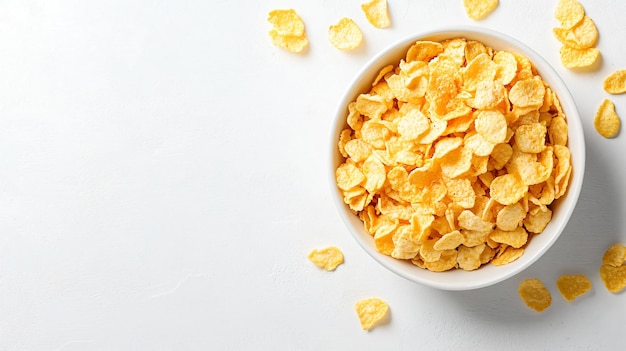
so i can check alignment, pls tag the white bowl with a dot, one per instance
(562, 208)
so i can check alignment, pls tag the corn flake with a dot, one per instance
(345, 35)
(515, 238)
(327, 258)
(614, 278)
(582, 36)
(615, 255)
(370, 311)
(578, 58)
(569, 13)
(508, 189)
(572, 286)
(288, 30)
(615, 83)
(479, 9)
(507, 255)
(449, 241)
(606, 121)
(534, 294)
(468, 258)
(376, 13)
(531, 138)
(423, 51)
(491, 125)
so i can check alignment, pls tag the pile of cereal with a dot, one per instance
(455, 155)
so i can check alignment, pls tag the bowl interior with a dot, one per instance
(562, 208)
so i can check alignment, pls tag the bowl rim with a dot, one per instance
(547, 72)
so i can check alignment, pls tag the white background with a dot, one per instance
(163, 177)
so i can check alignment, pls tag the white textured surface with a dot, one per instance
(162, 180)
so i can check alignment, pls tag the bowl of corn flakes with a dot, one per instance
(457, 157)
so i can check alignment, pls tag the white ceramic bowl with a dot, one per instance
(562, 208)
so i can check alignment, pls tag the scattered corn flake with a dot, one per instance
(569, 13)
(479, 9)
(345, 35)
(615, 255)
(377, 13)
(583, 35)
(606, 121)
(327, 258)
(370, 311)
(578, 58)
(572, 286)
(288, 30)
(614, 278)
(534, 294)
(615, 83)
(286, 22)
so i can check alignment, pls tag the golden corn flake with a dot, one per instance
(578, 58)
(370, 311)
(479, 9)
(327, 258)
(376, 13)
(582, 36)
(615, 255)
(506, 66)
(449, 241)
(510, 217)
(531, 138)
(468, 258)
(612, 270)
(515, 238)
(454, 156)
(491, 125)
(288, 30)
(614, 278)
(537, 219)
(569, 13)
(615, 83)
(508, 189)
(348, 176)
(527, 92)
(534, 294)
(606, 121)
(557, 131)
(345, 35)
(507, 255)
(572, 286)
(286, 22)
